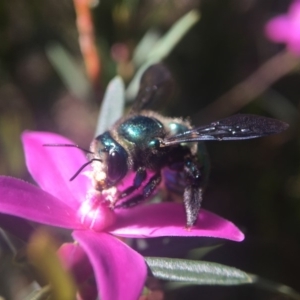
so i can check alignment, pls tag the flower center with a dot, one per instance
(95, 212)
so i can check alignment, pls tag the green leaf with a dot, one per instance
(162, 48)
(199, 253)
(141, 50)
(40, 294)
(167, 43)
(274, 287)
(134, 84)
(196, 272)
(112, 105)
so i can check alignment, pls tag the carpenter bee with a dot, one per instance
(140, 147)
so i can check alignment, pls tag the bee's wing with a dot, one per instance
(236, 127)
(156, 82)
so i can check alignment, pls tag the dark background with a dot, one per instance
(255, 184)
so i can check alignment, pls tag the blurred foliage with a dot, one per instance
(42, 254)
(256, 184)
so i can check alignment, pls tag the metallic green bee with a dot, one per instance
(143, 148)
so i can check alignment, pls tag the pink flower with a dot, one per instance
(120, 272)
(286, 28)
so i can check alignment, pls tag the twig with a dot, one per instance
(257, 83)
(87, 40)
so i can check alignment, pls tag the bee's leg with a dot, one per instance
(192, 196)
(139, 178)
(192, 199)
(148, 189)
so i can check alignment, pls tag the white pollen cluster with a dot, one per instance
(110, 195)
(100, 176)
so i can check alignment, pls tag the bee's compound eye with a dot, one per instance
(117, 166)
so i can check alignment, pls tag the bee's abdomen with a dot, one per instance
(174, 180)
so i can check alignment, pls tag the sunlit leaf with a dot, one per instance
(167, 43)
(133, 86)
(196, 272)
(163, 47)
(141, 51)
(112, 105)
(40, 294)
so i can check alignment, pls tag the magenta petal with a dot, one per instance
(294, 11)
(294, 47)
(120, 272)
(52, 167)
(75, 260)
(168, 219)
(278, 28)
(19, 198)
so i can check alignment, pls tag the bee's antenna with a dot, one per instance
(67, 145)
(83, 166)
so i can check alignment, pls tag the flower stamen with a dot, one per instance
(94, 212)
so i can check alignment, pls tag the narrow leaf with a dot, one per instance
(167, 43)
(141, 51)
(40, 294)
(196, 272)
(274, 287)
(134, 84)
(112, 105)
(162, 48)
(199, 253)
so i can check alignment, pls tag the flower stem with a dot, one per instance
(87, 40)
(248, 90)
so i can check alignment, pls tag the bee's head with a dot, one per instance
(109, 161)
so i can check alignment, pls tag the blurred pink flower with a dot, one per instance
(286, 28)
(120, 272)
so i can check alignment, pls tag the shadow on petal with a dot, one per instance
(120, 271)
(74, 259)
